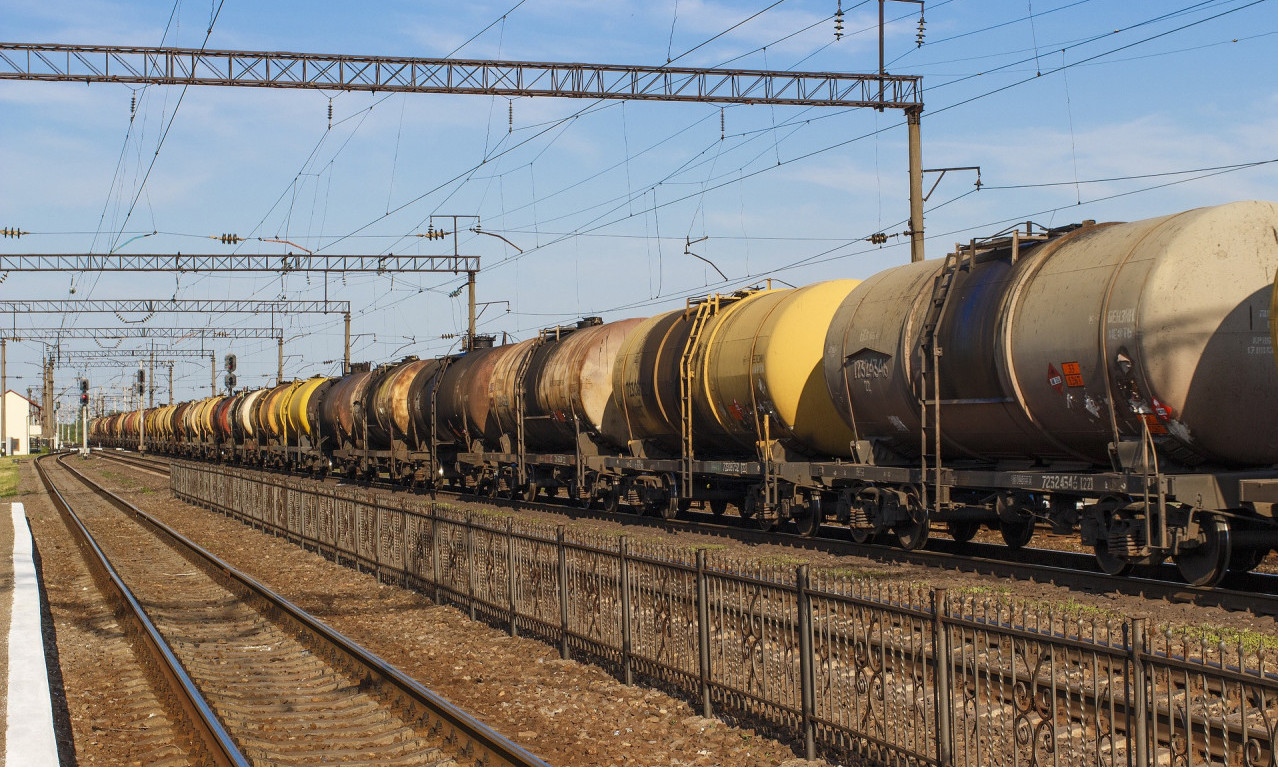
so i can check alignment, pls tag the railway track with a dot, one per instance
(158, 466)
(1250, 592)
(258, 680)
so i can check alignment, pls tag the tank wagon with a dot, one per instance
(1117, 380)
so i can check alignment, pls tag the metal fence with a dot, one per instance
(855, 670)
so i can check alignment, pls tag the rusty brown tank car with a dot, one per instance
(337, 408)
(1097, 335)
(462, 400)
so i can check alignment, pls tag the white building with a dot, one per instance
(22, 422)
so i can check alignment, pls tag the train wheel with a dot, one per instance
(962, 531)
(912, 532)
(1113, 523)
(673, 505)
(670, 509)
(1204, 562)
(912, 535)
(810, 517)
(530, 492)
(1017, 534)
(612, 500)
(1110, 564)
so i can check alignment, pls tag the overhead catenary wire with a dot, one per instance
(639, 209)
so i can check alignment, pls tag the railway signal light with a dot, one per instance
(84, 386)
(84, 400)
(229, 361)
(230, 381)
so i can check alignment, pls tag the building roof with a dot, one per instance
(32, 403)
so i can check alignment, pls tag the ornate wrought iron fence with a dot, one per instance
(857, 670)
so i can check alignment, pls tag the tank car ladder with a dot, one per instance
(931, 351)
(705, 309)
(436, 467)
(521, 374)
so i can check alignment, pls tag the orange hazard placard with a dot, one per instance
(1073, 374)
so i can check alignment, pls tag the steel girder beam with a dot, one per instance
(65, 356)
(189, 66)
(57, 334)
(117, 363)
(170, 305)
(118, 262)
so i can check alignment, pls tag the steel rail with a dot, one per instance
(482, 744)
(1254, 593)
(132, 459)
(220, 746)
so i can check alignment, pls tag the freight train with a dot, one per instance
(1117, 380)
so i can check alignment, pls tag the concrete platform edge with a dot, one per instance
(29, 736)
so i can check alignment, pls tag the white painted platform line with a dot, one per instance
(29, 738)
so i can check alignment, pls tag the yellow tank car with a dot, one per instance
(301, 406)
(762, 358)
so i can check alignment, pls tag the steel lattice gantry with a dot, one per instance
(110, 334)
(120, 358)
(177, 305)
(174, 305)
(263, 69)
(179, 262)
(57, 335)
(71, 357)
(190, 66)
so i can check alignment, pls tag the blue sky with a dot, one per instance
(604, 197)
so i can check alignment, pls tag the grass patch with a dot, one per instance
(858, 573)
(1231, 638)
(8, 477)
